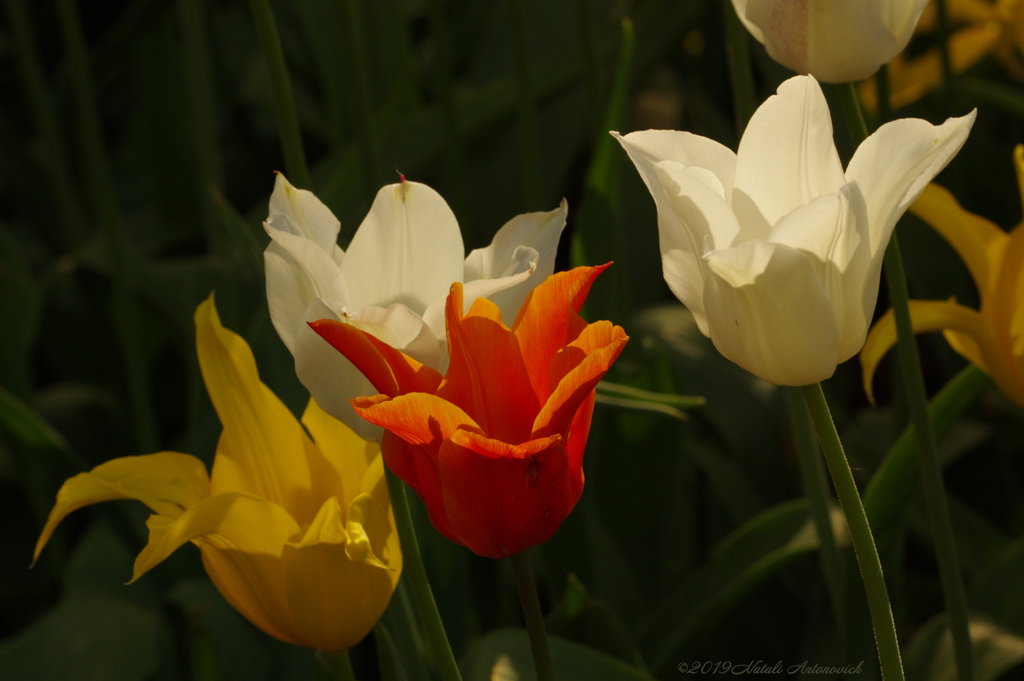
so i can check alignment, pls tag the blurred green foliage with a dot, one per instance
(138, 141)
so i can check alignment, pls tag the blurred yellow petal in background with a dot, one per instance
(296, 532)
(992, 337)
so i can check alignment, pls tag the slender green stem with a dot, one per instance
(108, 213)
(860, 535)
(928, 461)
(360, 107)
(534, 617)
(529, 128)
(738, 51)
(280, 85)
(815, 483)
(334, 667)
(44, 109)
(927, 450)
(413, 560)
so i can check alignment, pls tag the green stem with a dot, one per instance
(334, 667)
(529, 128)
(44, 110)
(740, 74)
(108, 213)
(860, 535)
(927, 450)
(360, 107)
(815, 484)
(284, 106)
(413, 560)
(534, 617)
(928, 461)
(591, 63)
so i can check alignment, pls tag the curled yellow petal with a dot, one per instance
(344, 451)
(935, 315)
(168, 482)
(979, 243)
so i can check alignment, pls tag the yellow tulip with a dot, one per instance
(295, 529)
(983, 27)
(993, 337)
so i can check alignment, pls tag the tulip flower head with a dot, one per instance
(991, 338)
(392, 282)
(495, 447)
(835, 41)
(295, 530)
(775, 249)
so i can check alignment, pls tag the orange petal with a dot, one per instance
(547, 321)
(417, 466)
(417, 418)
(576, 443)
(581, 365)
(502, 498)
(391, 371)
(487, 377)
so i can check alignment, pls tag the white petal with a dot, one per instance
(507, 291)
(697, 214)
(768, 313)
(298, 272)
(540, 233)
(786, 158)
(332, 380)
(832, 231)
(895, 164)
(407, 250)
(309, 216)
(648, 147)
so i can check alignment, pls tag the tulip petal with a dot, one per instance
(263, 450)
(977, 241)
(893, 166)
(407, 250)
(341, 356)
(487, 376)
(347, 454)
(306, 215)
(548, 321)
(417, 418)
(768, 313)
(833, 230)
(521, 268)
(298, 272)
(1006, 310)
(504, 498)
(233, 520)
(575, 372)
(786, 158)
(940, 315)
(682, 223)
(168, 482)
(539, 232)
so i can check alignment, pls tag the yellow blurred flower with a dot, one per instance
(295, 529)
(978, 27)
(993, 337)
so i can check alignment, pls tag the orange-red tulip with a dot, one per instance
(495, 447)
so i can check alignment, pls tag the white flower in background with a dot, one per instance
(835, 41)
(775, 250)
(392, 282)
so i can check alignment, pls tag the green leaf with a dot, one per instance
(929, 654)
(744, 559)
(28, 426)
(505, 654)
(999, 590)
(87, 637)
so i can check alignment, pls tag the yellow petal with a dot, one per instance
(937, 315)
(979, 243)
(1018, 165)
(232, 520)
(263, 450)
(344, 451)
(168, 482)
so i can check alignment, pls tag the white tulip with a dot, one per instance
(775, 250)
(392, 282)
(833, 40)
